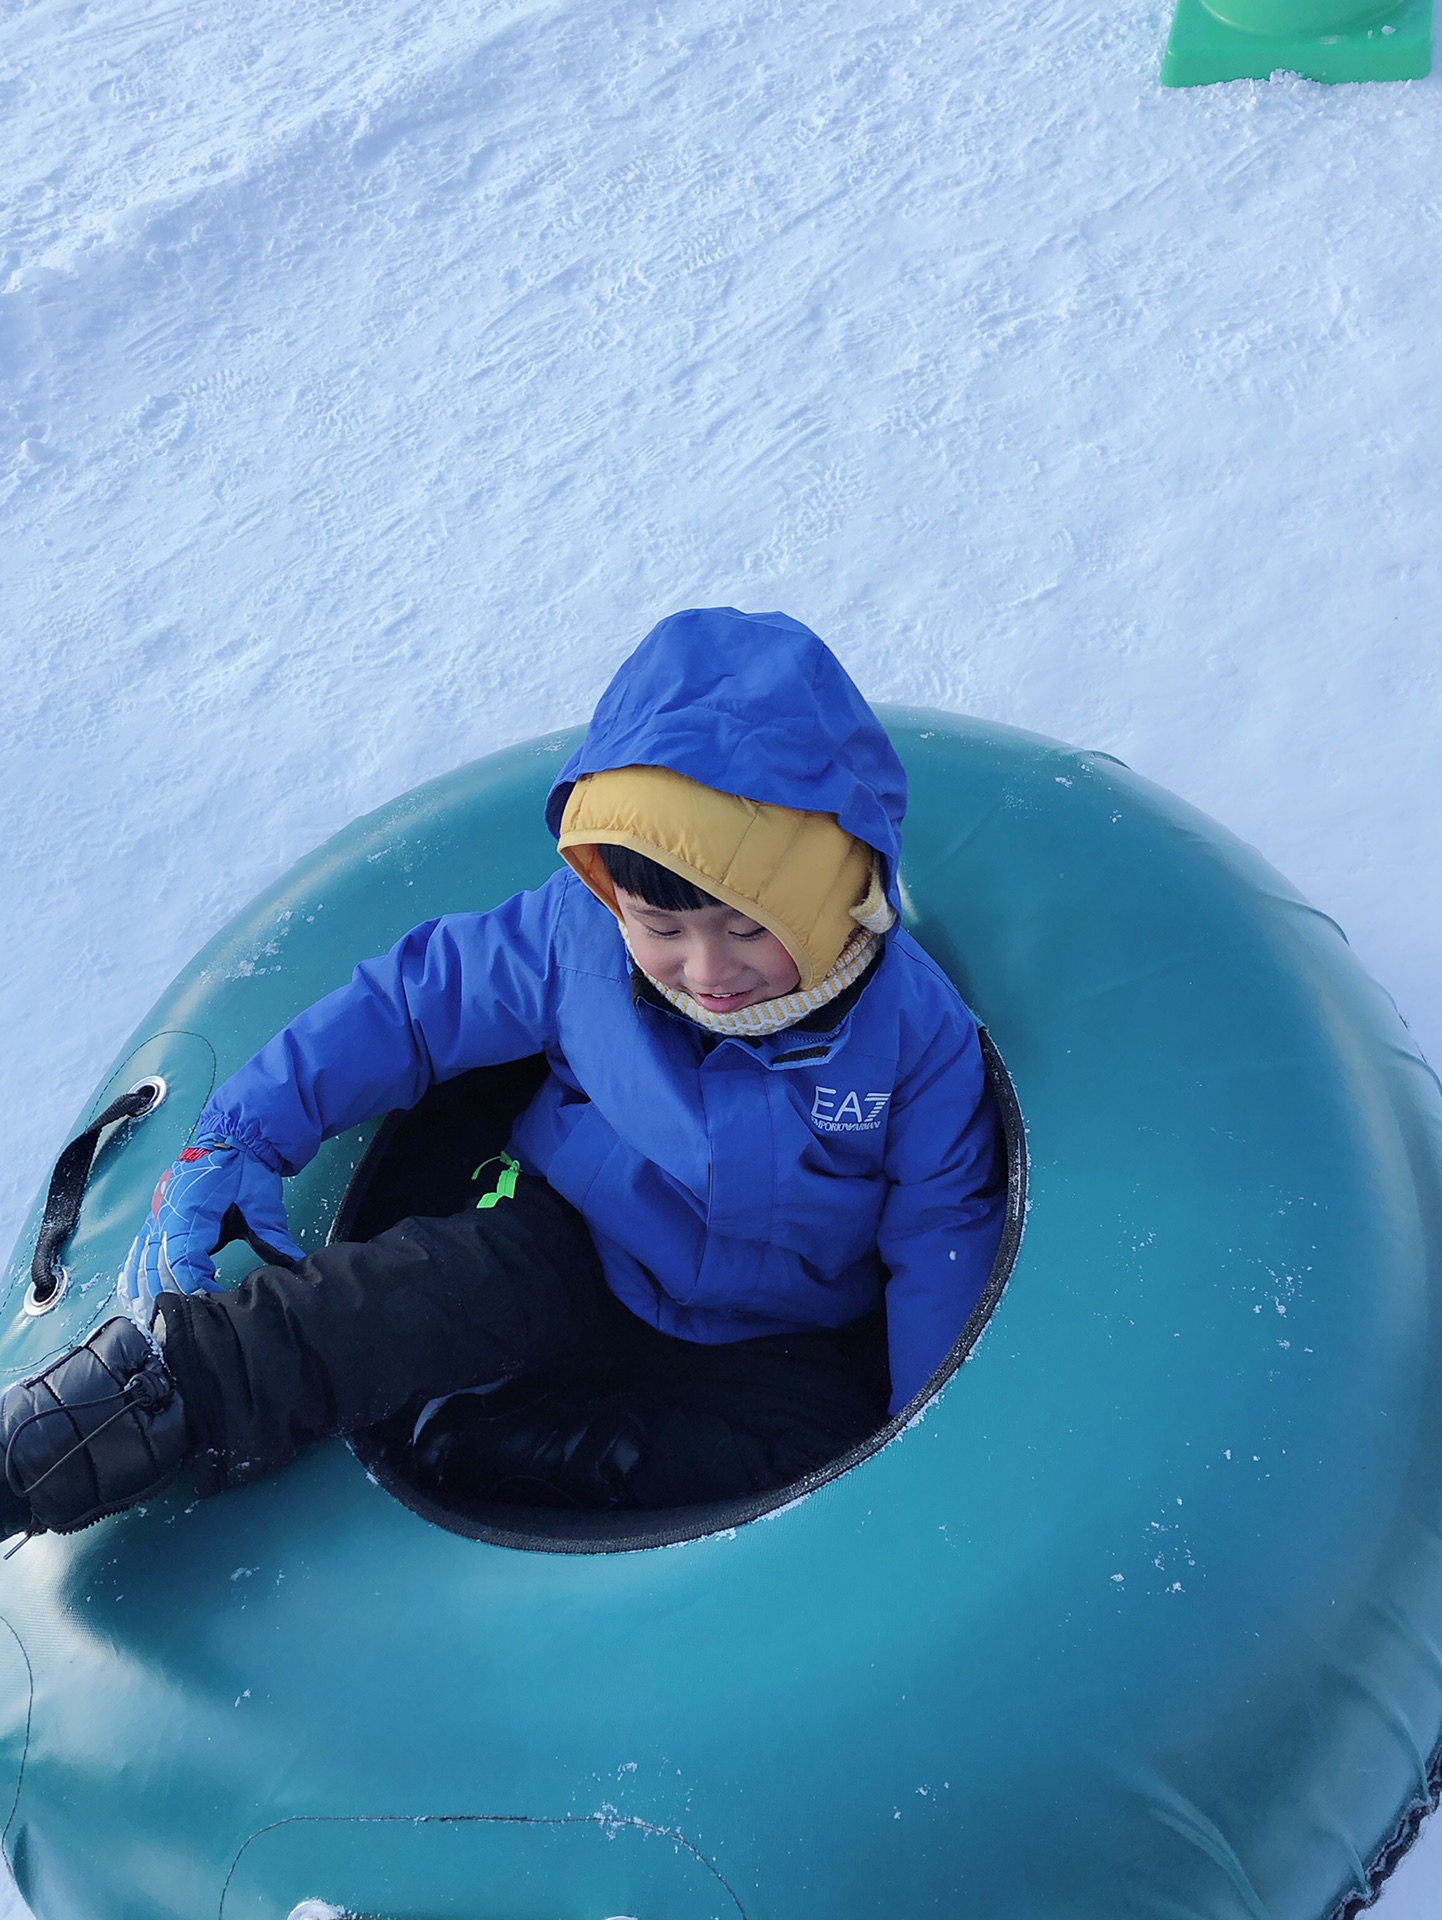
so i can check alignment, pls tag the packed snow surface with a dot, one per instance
(375, 374)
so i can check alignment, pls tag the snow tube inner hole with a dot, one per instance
(420, 1164)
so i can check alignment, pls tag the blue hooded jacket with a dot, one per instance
(734, 1187)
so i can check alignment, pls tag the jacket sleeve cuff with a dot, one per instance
(216, 1124)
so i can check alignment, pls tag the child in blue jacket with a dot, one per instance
(765, 1123)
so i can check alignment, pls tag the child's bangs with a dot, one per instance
(646, 879)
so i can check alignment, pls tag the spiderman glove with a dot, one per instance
(216, 1192)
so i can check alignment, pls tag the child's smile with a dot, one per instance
(722, 959)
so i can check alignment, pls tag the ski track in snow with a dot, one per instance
(372, 376)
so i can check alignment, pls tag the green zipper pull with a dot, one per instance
(505, 1188)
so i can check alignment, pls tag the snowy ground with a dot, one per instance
(372, 374)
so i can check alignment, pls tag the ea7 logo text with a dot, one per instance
(833, 1111)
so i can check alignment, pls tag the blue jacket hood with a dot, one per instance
(752, 704)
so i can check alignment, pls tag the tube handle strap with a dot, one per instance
(68, 1183)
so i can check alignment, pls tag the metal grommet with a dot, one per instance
(155, 1085)
(34, 1306)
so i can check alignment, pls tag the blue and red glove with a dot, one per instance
(188, 1223)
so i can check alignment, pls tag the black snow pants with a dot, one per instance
(509, 1299)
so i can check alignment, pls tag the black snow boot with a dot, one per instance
(530, 1446)
(97, 1430)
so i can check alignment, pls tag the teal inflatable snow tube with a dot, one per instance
(1139, 1617)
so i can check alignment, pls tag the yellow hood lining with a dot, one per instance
(799, 875)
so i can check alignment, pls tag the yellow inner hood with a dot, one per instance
(798, 874)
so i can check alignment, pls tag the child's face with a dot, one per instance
(722, 959)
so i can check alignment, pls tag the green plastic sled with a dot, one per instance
(1330, 40)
